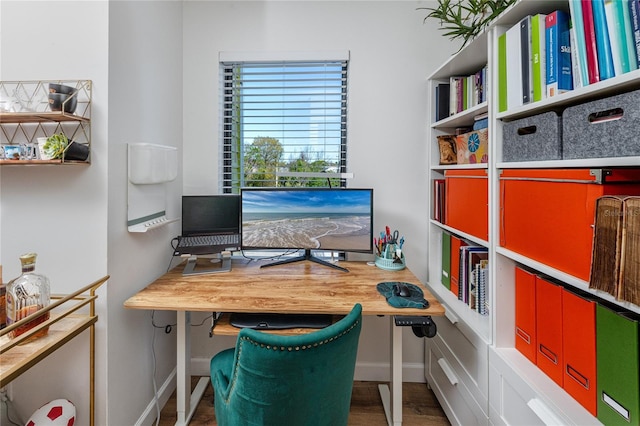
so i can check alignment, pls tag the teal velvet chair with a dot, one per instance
(276, 380)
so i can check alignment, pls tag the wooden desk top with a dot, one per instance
(301, 287)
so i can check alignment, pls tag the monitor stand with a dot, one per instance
(224, 265)
(306, 256)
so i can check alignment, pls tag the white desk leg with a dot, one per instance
(392, 401)
(183, 353)
(186, 401)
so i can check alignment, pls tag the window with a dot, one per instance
(282, 119)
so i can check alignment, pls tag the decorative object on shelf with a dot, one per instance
(11, 152)
(76, 151)
(55, 146)
(447, 147)
(466, 19)
(62, 97)
(473, 147)
(60, 101)
(26, 294)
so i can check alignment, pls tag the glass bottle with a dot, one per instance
(25, 295)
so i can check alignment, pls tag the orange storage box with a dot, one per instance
(549, 357)
(466, 200)
(579, 348)
(548, 215)
(526, 314)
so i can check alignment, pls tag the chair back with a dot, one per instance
(290, 380)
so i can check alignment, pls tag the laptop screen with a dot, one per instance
(210, 214)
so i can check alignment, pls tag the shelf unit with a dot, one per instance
(25, 115)
(66, 322)
(472, 364)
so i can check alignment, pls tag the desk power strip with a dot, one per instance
(423, 326)
(410, 320)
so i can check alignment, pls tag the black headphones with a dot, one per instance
(426, 329)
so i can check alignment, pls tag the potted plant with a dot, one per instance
(466, 19)
(54, 146)
(59, 146)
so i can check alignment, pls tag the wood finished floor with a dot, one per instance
(419, 407)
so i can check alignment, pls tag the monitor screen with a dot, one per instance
(339, 219)
(209, 214)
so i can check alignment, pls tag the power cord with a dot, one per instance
(6, 408)
(274, 257)
(167, 329)
(153, 356)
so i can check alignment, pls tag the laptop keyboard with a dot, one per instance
(209, 240)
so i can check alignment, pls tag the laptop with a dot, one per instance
(210, 225)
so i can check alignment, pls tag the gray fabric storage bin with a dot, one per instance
(606, 127)
(534, 138)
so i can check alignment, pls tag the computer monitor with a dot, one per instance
(335, 219)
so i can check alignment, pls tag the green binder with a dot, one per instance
(618, 373)
(446, 260)
(538, 57)
(502, 73)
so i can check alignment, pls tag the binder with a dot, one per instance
(617, 36)
(575, 10)
(446, 260)
(525, 321)
(474, 256)
(502, 73)
(549, 357)
(538, 57)
(526, 60)
(558, 53)
(579, 348)
(631, 40)
(618, 372)
(442, 101)
(514, 67)
(456, 244)
(634, 20)
(591, 48)
(605, 58)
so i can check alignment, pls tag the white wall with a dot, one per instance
(58, 212)
(392, 52)
(145, 105)
(154, 69)
(132, 51)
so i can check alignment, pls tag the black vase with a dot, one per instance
(76, 151)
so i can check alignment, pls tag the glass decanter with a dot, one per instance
(27, 294)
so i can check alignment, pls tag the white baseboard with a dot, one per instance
(149, 415)
(365, 371)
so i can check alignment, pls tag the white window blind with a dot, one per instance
(281, 117)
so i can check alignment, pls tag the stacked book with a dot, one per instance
(465, 272)
(545, 55)
(461, 93)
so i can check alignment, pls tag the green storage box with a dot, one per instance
(618, 376)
